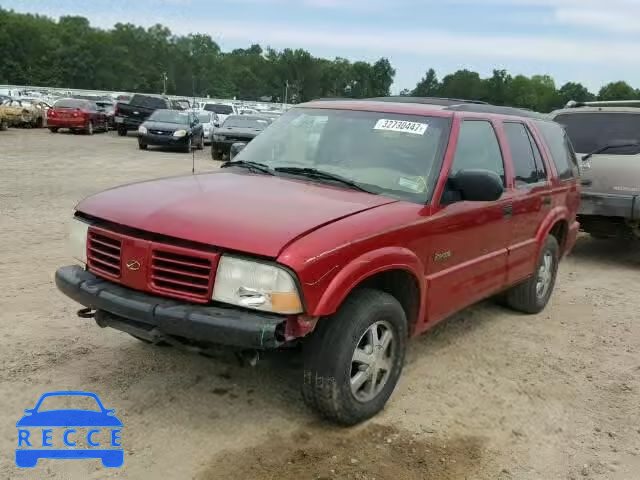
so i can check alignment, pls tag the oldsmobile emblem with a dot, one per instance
(133, 265)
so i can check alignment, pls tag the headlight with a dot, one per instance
(256, 285)
(78, 240)
(142, 130)
(179, 133)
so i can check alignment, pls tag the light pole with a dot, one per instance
(164, 83)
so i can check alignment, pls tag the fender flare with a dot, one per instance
(365, 266)
(554, 216)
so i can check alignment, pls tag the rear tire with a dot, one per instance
(3, 125)
(53, 129)
(142, 146)
(122, 132)
(533, 295)
(345, 379)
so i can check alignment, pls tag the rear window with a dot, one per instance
(247, 122)
(71, 103)
(591, 131)
(561, 150)
(219, 108)
(148, 102)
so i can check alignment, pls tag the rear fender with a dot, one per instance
(559, 213)
(365, 266)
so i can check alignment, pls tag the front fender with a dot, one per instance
(365, 266)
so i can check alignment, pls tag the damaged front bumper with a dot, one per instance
(153, 318)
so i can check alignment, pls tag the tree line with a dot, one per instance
(538, 92)
(37, 50)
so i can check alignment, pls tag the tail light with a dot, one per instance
(51, 112)
(75, 113)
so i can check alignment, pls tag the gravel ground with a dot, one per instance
(488, 394)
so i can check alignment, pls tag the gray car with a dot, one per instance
(606, 136)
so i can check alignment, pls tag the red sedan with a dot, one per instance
(77, 115)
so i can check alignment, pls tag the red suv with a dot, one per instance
(347, 227)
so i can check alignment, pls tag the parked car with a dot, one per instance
(222, 109)
(78, 115)
(171, 128)
(607, 137)
(109, 109)
(396, 217)
(209, 121)
(130, 115)
(236, 128)
(23, 113)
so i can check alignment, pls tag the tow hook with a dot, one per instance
(86, 313)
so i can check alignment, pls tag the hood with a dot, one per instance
(612, 174)
(172, 127)
(69, 418)
(237, 132)
(232, 209)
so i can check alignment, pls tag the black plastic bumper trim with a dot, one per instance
(207, 323)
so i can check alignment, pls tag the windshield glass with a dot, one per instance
(170, 116)
(394, 155)
(65, 402)
(219, 108)
(246, 122)
(204, 117)
(591, 131)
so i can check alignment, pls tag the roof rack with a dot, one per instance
(604, 103)
(495, 109)
(444, 102)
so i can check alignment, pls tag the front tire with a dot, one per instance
(89, 129)
(354, 358)
(142, 146)
(53, 129)
(188, 146)
(533, 295)
(122, 132)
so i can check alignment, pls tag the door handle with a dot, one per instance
(546, 201)
(507, 211)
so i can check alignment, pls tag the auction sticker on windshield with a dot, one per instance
(401, 126)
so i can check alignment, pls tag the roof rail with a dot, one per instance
(426, 100)
(495, 109)
(604, 103)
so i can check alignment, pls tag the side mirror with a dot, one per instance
(477, 185)
(236, 148)
(28, 410)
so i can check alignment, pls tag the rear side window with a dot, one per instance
(522, 154)
(478, 148)
(561, 151)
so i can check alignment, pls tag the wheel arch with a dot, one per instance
(557, 225)
(396, 271)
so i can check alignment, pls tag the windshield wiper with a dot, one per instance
(255, 166)
(322, 175)
(609, 146)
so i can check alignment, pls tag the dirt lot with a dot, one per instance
(488, 394)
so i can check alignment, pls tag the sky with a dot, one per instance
(589, 41)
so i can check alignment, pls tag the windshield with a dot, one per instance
(219, 108)
(65, 402)
(591, 131)
(170, 116)
(70, 103)
(148, 102)
(204, 117)
(246, 122)
(396, 155)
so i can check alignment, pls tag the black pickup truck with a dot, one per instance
(130, 115)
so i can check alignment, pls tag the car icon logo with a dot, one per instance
(133, 265)
(37, 438)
